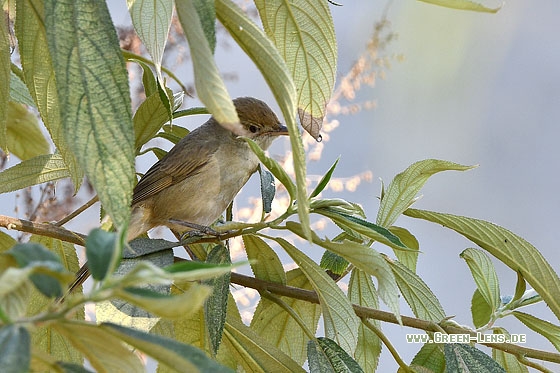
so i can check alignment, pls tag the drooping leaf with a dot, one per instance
(208, 82)
(253, 353)
(461, 357)
(25, 139)
(405, 186)
(420, 298)
(484, 275)
(279, 328)
(148, 119)
(37, 170)
(268, 189)
(463, 5)
(406, 257)
(39, 73)
(151, 20)
(544, 328)
(361, 291)
(303, 32)
(215, 307)
(341, 323)
(509, 248)
(269, 61)
(96, 117)
(264, 261)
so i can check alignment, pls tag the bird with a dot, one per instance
(201, 175)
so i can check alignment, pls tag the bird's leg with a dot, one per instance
(196, 229)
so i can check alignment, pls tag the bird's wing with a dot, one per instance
(181, 163)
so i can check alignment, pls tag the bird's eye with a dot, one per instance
(253, 129)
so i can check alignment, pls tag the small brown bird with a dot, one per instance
(199, 177)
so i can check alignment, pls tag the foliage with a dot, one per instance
(182, 314)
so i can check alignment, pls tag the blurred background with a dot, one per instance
(466, 87)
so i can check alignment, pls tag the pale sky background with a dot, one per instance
(474, 89)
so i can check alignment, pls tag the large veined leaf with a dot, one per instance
(151, 20)
(4, 81)
(267, 58)
(38, 70)
(509, 248)
(303, 32)
(484, 275)
(544, 328)
(19, 92)
(92, 83)
(341, 323)
(405, 186)
(209, 84)
(463, 5)
(34, 171)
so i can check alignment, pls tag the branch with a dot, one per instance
(43, 229)
(371, 313)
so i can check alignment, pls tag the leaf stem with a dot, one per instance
(387, 343)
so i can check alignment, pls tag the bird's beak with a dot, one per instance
(282, 130)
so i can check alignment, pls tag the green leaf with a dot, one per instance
(405, 186)
(484, 275)
(151, 20)
(338, 358)
(279, 328)
(333, 262)
(6, 241)
(104, 351)
(148, 79)
(207, 15)
(430, 358)
(364, 228)
(408, 258)
(509, 362)
(96, 118)
(264, 261)
(303, 32)
(15, 291)
(253, 353)
(365, 258)
(274, 167)
(25, 139)
(101, 250)
(215, 307)
(544, 328)
(269, 61)
(37, 170)
(520, 288)
(4, 82)
(361, 291)
(47, 339)
(35, 255)
(341, 323)
(420, 298)
(15, 349)
(463, 5)
(481, 311)
(148, 119)
(182, 357)
(268, 189)
(317, 359)
(209, 85)
(164, 305)
(461, 357)
(19, 92)
(509, 248)
(324, 180)
(39, 75)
